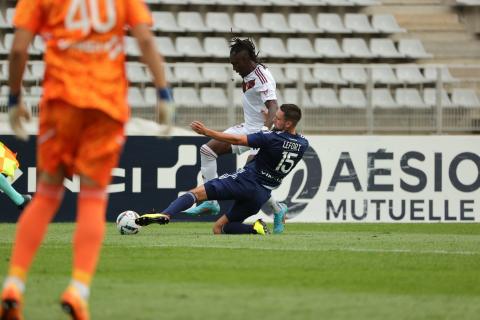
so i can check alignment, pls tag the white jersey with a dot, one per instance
(258, 87)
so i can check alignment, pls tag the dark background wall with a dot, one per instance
(145, 154)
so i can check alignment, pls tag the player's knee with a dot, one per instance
(207, 153)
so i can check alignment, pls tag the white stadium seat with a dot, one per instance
(338, 3)
(353, 73)
(353, 98)
(386, 23)
(214, 72)
(274, 47)
(173, 1)
(187, 72)
(3, 71)
(192, 21)
(292, 72)
(135, 98)
(291, 96)
(38, 44)
(136, 73)
(36, 91)
(431, 74)
(325, 97)
(325, 73)
(475, 3)
(356, 47)
(257, 2)
(382, 98)
(358, 23)
(364, 3)
(190, 47)
(413, 48)
(7, 42)
(329, 48)
(279, 75)
(38, 70)
(9, 16)
(247, 22)
(202, 2)
(289, 3)
(331, 22)
(150, 96)
(165, 21)
(384, 48)
(3, 22)
(383, 73)
(466, 98)
(410, 74)
(409, 97)
(216, 47)
(311, 2)
(303, 22)
(430, 98)
(168, 73)
(3, 49)
(276, 23)
(186, 96)
(131, 47)
(219, 21)
(301, 47)
(214, 97)
(166, 47)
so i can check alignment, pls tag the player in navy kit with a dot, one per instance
(259, 102)
(251, 186)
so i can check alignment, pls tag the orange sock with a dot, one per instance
(88, 238)
(32, 226)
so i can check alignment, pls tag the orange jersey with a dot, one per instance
(84, 56)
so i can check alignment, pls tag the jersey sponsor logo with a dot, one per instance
(248, 85)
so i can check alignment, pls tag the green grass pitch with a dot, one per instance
(313, 271)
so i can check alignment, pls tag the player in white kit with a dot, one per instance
(259, 101)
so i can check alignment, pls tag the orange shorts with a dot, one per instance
(81, 141)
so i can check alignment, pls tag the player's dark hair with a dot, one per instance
(292, 112)
(238, 45)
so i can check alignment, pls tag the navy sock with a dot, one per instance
(237, 228)
(181, 204)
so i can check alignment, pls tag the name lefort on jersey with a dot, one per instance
(291, 146)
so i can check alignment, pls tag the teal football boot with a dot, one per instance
(279, 219)
(204, 208)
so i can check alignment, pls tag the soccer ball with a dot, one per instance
(126, 222)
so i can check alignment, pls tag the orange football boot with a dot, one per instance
(74, 305)
(11, 308)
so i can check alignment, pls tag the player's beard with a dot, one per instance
(275, 129)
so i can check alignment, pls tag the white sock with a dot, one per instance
(208, 163)
(16, 281)
(83, 289)
(273, 204)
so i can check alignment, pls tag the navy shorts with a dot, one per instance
(248, 194)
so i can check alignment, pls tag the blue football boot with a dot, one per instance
(204, 208)
(279, 218)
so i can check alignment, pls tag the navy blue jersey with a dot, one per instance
(279, 153)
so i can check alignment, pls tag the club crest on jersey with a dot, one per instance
(248, 85)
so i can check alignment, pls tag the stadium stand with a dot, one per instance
(345, 48)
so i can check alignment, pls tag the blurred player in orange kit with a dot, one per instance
(82, 116)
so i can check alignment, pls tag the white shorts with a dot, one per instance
(242, 130)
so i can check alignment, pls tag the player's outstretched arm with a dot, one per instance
(234, 139)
